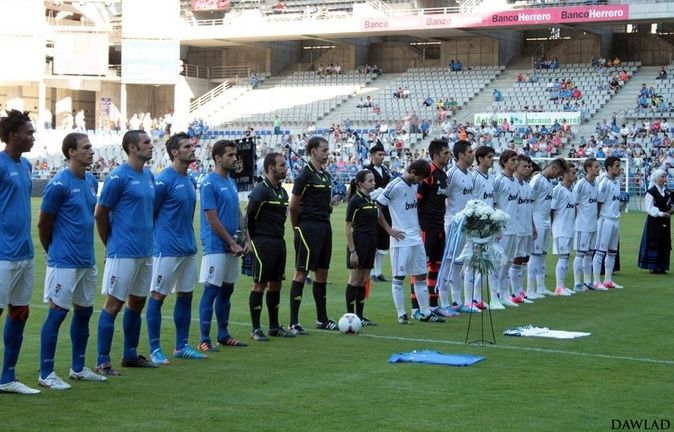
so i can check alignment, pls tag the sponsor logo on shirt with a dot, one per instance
(487, 195)
(512, 197)
(76, 190)
(410, 206)
(13, 174)
(135, 182)
(467, 191)
(442, 191)
(593, 200)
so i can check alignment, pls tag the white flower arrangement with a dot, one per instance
(478, 221)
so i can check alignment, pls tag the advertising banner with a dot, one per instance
(510, 18)
(528, 118)
(146, 61)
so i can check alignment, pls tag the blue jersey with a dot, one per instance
(71, 201)
(130, 197)
(218, 193)
(174, 200)
(16, 243)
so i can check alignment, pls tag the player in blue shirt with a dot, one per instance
(16, 245)
(66, 229)
(174, 266)
(220, 264)
(124, 219)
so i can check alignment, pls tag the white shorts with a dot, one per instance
(509, 245)
(16, 283)
(585, 241)
(608, 234)
(174, 274)
(524, 246)
(541, 242)
(70, 286)
(408, 260)
(217, 269)
(561, 246)
(123, 277)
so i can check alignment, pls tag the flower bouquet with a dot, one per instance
(480, 224)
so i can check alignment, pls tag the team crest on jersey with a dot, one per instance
(93, 191)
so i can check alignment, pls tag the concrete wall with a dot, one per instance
(281, 55)
(394, 57)
(344, 55)
(510, 44)
(580, 49)
(647, 48)
(255, 57)
(472, 51)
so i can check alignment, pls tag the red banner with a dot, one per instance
(210, 5)
(510, 18)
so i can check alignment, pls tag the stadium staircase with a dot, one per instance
(483, 101)
(376, 90)
(622, 102)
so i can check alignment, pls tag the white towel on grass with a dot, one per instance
(544, 332)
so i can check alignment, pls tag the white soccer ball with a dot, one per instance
(349, 324)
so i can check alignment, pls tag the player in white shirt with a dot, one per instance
(525, 230)
(541, 186)
(483, 190)
(459, 192)
(608, 230)
(586, 225)
(506, 193)
(563, 211)
(408, 255)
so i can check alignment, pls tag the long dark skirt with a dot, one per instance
(653, 257)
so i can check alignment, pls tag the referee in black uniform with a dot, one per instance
(382, 177)
(310, 208)
(266, 214)
(362, 218)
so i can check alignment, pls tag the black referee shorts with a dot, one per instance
(269, 259)
(434, 242)
(366, 248)
(313, 246)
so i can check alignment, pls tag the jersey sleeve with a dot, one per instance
(52, 197)
(255, 201)
(300, 183)
(424, 187)
(603, 192)
(351, 208)
(209, 196)
(555, 199)
(387, 195)
(112, 191)
(160, 192)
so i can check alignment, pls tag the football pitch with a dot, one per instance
(333, 382)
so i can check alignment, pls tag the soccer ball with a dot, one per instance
(349, 324)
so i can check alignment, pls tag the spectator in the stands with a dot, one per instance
(662, 74)
(498, 97)
(425, 128)
(280, 7)
(624, 77)
(576, 94)
(427, 102)
(254, 79)
(398, 94)
(406, 93)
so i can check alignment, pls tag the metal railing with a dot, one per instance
(195, 71)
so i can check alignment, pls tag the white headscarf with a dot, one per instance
(655, 175)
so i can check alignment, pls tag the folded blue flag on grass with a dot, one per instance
(435, 358)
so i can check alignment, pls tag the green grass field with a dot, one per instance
(329, 382)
